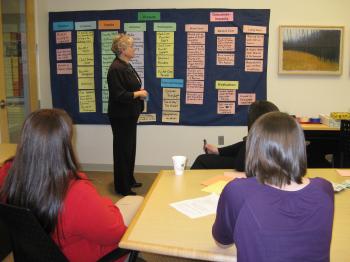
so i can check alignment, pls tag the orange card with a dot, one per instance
(215, 179)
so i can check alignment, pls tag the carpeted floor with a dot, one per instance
(104, 184)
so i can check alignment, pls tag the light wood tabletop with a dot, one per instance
(159, 228)
(319, 127)
(7, 151)
(340, 251)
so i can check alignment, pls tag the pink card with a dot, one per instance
(343, 172)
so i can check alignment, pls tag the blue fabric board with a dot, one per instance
(65, 87)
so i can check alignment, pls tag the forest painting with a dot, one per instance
(310, 50)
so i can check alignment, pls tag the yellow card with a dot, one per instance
(216, 187)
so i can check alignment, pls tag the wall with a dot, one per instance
(295, 94)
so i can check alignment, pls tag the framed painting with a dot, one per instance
(311, 50)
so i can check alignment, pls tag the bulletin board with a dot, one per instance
(201, 67)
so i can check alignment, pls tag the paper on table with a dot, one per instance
(339, 187)
(216, 187)
(197, 207)
(215, 179)
(343, 172)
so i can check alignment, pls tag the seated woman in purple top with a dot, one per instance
(277, 214)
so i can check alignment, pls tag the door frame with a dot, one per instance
(32, 68)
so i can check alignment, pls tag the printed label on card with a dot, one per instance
(226, 108)
(194, 98)
(246, 99)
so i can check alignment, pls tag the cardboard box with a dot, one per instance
(329, 121)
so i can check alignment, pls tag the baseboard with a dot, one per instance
(109, 168)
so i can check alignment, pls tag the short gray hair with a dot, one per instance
(121, 42)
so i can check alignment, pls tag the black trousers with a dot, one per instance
(124, 152)
(211, 161)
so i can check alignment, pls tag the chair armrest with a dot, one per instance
(115, 254)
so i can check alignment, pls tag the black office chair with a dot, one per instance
(5, 241)
(344, 145)
(30, 242)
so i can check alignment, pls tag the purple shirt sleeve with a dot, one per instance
(230, 201)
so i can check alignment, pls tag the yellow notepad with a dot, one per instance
(216, 187)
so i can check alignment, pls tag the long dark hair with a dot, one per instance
(43, 166)
(275, 151)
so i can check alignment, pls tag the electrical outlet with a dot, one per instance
(221, 140)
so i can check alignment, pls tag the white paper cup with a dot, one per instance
(179, 164)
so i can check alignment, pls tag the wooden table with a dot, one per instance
(159, 228)
(7, 151)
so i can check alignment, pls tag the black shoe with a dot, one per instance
(137, 184)
(129, 193)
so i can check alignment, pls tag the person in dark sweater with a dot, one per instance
(232, 156)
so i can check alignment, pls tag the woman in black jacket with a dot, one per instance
(124, 107)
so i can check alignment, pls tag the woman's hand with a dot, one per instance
(211, 149)
(142, 94)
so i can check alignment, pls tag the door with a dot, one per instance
(18, 85)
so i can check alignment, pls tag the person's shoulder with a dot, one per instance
(242, 185)
(242, 143)
(82, 185)
(240, 190)
(82, 175)
(245, 181)
(322, 184)
(4, 171)
(118, 65)
(6, 166)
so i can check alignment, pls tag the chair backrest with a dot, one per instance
(344, 143)
(29, 240)
(5, 241)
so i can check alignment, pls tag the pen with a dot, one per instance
(205, 143)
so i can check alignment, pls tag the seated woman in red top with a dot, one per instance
(44, 177)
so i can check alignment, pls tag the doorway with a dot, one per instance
(18, 82)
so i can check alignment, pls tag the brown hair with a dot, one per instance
(276, 151)
(257, 109)
(43, 166)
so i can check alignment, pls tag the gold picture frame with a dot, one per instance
(311, 49)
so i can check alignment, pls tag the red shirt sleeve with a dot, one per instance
(4, 171)
(91, 216)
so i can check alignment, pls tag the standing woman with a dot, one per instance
(124, 107)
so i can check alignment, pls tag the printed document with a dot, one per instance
(197, 207)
